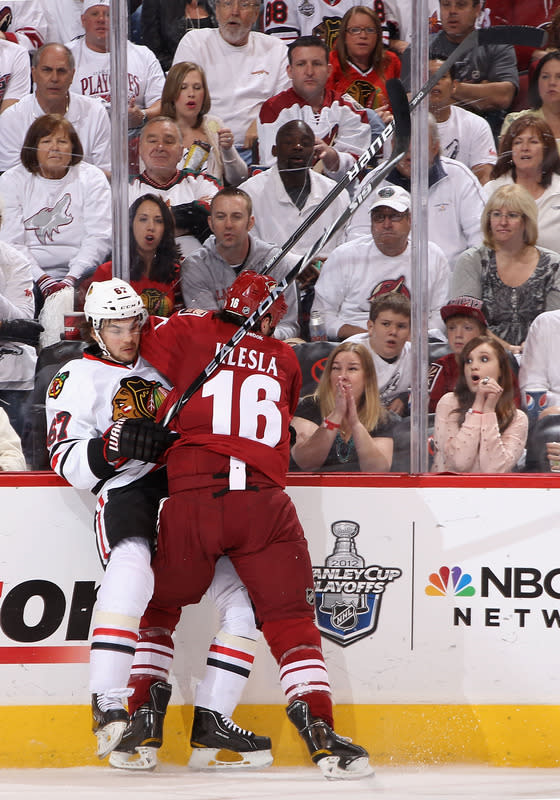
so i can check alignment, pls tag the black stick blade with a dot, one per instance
(401, 113)
(523, 35)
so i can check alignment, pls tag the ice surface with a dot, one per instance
(169, 782)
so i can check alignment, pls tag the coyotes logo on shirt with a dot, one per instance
(47, 221)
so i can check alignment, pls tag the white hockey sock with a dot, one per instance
(229, 664)
(122, 598)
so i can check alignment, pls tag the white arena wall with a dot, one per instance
(440, 614)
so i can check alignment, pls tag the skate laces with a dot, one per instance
(112, 699)
(233, 726)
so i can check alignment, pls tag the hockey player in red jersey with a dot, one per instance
(226, 477)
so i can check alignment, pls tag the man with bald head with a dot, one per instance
(286, 194)
(52, 73)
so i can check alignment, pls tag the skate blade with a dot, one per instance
(209, 758)
(109, 737)
(145, 758)
(359, 768)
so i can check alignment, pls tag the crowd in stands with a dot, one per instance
(241, 119)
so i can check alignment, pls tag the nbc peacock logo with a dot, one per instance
(452, 582)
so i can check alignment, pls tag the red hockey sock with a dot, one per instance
(152, 662)
(141, 686)
(296, 646)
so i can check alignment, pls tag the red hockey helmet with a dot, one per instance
(248, 291)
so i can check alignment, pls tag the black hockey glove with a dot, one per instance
(192, 218)
(20, 330)
(141, 439)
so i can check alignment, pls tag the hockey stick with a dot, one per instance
(501, 34)
(401, 144)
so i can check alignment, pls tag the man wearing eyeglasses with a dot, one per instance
(243, 68)
(354, 272)
(342, 131)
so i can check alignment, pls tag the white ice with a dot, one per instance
(169, 782)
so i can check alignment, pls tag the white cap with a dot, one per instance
(394, 197)
(90, 3)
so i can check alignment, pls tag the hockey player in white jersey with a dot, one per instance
(87, 398)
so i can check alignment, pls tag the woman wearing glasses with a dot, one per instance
(360, 63)
(515, 278)
(528, 156)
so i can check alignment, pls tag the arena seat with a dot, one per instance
(544, 430)
(312, 357)
(50, 360)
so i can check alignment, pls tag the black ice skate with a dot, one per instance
(110, 719)
(336, 757)
(144, 734)
(218, 743)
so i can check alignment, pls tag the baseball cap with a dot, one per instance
(90, 3)
(394, 197)
(464, 306)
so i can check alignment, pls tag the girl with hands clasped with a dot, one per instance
(477, 426)
(344, 426)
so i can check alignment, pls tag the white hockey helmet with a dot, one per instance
(114, 299)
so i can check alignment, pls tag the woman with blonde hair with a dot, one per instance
(360, 64)
(343, 426)
(208, 144)
(515, 279)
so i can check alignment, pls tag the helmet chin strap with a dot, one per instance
(99, 339)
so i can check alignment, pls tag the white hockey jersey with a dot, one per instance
(84, 399)
(15, 71)
(288, 19)
(28, 22)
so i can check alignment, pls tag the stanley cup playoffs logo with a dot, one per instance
(349, 593)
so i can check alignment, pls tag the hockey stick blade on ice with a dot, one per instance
(401, 145)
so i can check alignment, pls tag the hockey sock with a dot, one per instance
(124, 593)
(229, 664)
(296, 646)
(152, 662)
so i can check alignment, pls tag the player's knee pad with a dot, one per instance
(128, 583)
(238, 618)
(285, 635)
